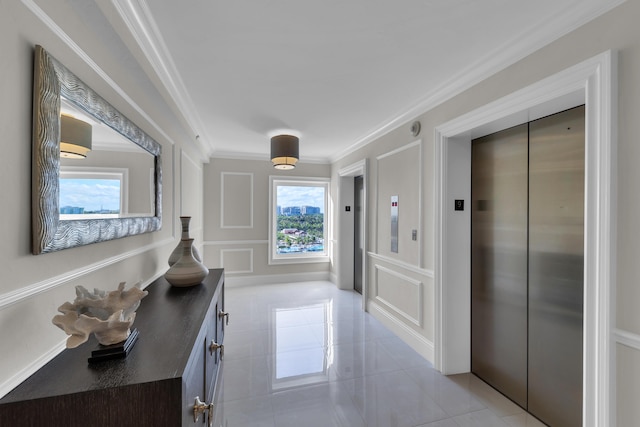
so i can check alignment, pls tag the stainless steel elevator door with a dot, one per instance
(527, 264)
(499, 261)
(358, 235)
(556, 265)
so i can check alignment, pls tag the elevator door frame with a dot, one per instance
(593, 83)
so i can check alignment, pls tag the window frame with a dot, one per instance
(302, 257)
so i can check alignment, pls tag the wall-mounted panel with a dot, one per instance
(237, 261)
(401, 293)
(236, 200)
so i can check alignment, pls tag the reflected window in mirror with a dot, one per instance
(112, 158)
(93, 193)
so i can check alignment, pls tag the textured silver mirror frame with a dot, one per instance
(51, 81)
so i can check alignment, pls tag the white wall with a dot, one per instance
(32, 287)
(399, 286)
(236, 221)
(615, 30)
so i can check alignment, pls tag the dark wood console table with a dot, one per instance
(175, 360)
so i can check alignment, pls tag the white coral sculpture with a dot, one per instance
(109, 315)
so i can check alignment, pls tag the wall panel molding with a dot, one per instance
(224, 202)
(402, 264)
(227, 270)
(29, 291)
(417, 317)
(414, 144)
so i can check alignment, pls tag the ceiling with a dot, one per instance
(336, 73)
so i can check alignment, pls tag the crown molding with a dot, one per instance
(512, 51)
(66, 39)
(138, 19)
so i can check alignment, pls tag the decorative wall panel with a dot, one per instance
(400, 177)
(236, 261)
(236, 204)
(401, 293)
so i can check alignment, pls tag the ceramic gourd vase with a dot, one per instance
(177, 252)
(187, 271)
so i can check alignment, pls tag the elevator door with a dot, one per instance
(527, 264)
(358, 235)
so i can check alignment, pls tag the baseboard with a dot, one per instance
(419, 343)
(271, 279)
(333, 278)
(31, 368)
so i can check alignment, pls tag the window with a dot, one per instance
(92, 193)
(298, 220)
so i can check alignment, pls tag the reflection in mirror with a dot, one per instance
(121, 166)
(114, 179)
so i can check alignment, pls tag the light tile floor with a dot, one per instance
(305, 354)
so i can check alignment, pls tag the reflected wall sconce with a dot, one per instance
(284, 151)
(75, 137)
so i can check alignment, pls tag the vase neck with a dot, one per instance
(185, 226)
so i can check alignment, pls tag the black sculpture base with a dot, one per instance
(114, 351)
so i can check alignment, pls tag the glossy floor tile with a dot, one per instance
(305, 354)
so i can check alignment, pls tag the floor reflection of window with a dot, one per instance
(301, 337)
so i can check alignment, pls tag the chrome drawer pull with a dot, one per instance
(214, 347)
(200, 407)
(222, 314)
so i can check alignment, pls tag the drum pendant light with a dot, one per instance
(284, 151)
(75, 138)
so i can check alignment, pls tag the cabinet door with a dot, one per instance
(222, 320)
(193, 385)
(214, 353)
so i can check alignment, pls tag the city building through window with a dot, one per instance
(298, 220)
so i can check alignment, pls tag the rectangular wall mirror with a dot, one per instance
(104, 181)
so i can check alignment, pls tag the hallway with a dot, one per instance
(305, 354)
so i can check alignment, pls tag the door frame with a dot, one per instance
(593, 83)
